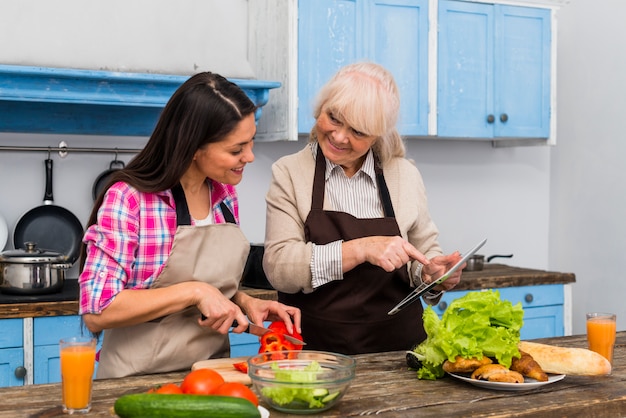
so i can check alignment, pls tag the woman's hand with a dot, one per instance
(438, 266)
(259, 310)
(219, 312)
(388, 252)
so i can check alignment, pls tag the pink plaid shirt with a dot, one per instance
(129, 245)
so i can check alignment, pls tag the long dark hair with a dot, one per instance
(203, 110)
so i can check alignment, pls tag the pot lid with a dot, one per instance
(32, 254)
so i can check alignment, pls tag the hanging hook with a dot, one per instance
(49, 149)
(115, 153)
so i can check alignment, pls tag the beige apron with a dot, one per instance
(214, 254)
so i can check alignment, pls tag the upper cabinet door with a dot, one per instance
(400, 38)
(393, 33)
(493, 71)
(328, 38)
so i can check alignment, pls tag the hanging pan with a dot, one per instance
(50, 227)
(104, 177)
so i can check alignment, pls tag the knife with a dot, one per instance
(425, 287)
(260, 331)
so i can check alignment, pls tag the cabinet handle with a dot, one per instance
(491, 119)
(504, 117)
(529, 297)
(442, 305)
(20, 372)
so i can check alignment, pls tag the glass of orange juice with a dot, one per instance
(78, 358)
(601, 333)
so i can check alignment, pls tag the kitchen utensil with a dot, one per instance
(260, 331)
(477, 261)
(32, 271)
(314, 389)
(104, 177)
(51, 227)
(425, 287)
(4, 232)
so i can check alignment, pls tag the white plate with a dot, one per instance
(4, 233)
(527, 385)
(264, 412)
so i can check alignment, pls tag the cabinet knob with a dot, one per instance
(20, 372)
(529, 297)
(491, 119)
(442, 305)
(504, 117)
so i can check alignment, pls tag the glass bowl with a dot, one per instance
(302, 381)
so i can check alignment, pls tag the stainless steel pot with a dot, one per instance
(477, 261)
(32, 271)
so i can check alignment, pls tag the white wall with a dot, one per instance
(588, 173)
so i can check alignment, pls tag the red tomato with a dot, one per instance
(242, 366)
(201, 382)
(281, 328)
(238, 390)
(168, 388)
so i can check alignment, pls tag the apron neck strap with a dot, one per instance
(319, 182)
(182, 210)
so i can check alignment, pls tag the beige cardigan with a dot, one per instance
(287, 258)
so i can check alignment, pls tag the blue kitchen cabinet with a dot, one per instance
(11, 352)
(493, 78)
(47, 331)
(393, 33)
(543, 308)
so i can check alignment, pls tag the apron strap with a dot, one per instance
(182, 210)
(228, 215)
(319, 181)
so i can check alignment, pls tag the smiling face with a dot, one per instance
(342, 144)
(224, 161)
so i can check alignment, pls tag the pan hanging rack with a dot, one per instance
(63, 149)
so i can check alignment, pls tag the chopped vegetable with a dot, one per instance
(309, 397)
(242, 366)
(274, 341)
(475, 325)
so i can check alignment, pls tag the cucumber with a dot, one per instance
(330, 397)
(156, 405)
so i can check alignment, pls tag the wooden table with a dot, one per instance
(385, 387)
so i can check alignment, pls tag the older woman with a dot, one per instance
(348, 231)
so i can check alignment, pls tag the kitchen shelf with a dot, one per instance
(94, 102)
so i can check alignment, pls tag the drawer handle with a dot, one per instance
(529, 297)
(442, 305)
(20, 372)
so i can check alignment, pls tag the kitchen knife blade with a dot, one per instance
(425, 287)
(259, 331)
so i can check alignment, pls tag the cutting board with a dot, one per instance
(224, 366)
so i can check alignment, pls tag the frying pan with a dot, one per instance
(51, 227)
(104, 177)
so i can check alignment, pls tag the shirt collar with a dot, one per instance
(367, 167)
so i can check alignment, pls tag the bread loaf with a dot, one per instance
(565, 360)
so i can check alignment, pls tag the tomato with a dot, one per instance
(281, 328)
(238, 390)
(201, 382)
(242, 366)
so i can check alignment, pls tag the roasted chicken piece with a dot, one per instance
(465, 365)
(528, 367)
(497, 373)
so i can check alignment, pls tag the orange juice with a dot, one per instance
(601, 334)
(77, 366)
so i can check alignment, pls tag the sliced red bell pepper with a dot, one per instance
(274, 341)
(281, 328)
(242, 366)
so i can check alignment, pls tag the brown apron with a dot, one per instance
(349, 316)
(214, 254)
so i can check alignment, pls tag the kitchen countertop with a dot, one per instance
(65, 302)
(385, 387)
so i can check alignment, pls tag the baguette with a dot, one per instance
(566, 360)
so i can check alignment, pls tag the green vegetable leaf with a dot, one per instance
(475, 325)
(306, 396)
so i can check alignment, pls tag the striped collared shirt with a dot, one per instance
(357, 195)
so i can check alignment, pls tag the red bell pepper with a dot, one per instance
(242, 366)
(274, 341)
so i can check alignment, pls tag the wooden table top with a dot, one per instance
(385, 387)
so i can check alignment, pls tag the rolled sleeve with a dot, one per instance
(326, 265)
